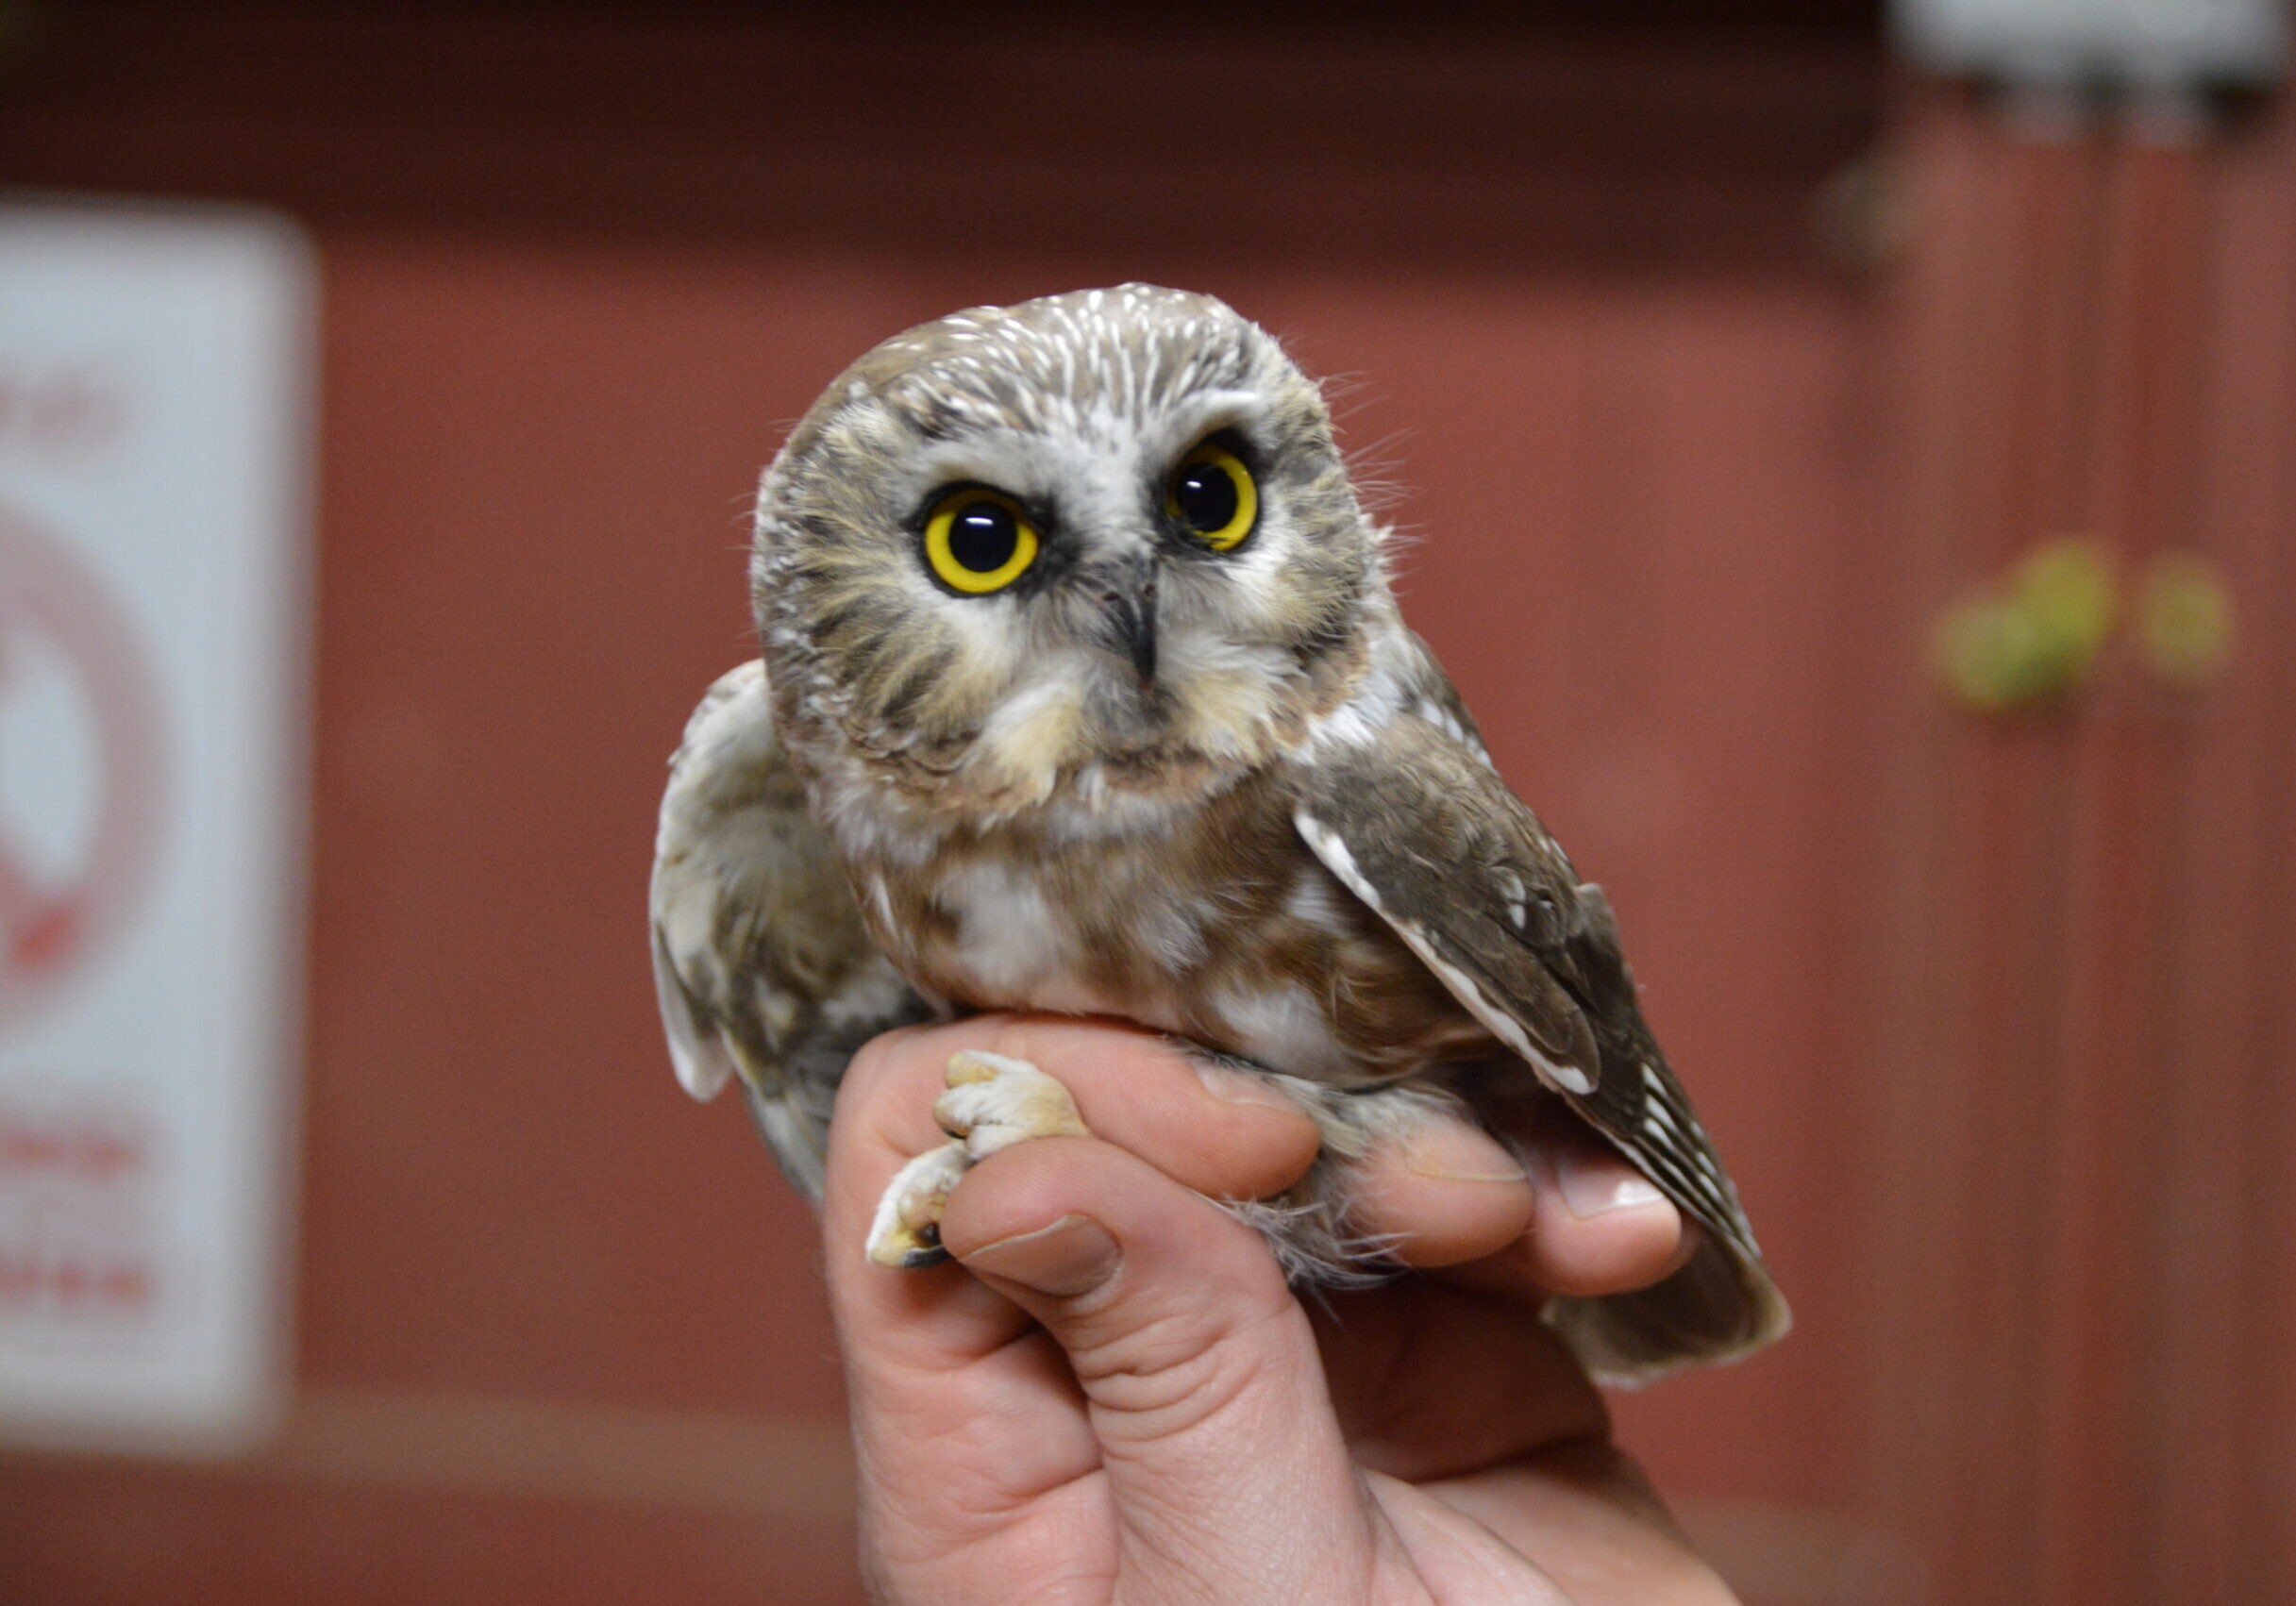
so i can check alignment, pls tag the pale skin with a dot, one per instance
(1112, 1397)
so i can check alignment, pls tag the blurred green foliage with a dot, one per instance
(2035, 636)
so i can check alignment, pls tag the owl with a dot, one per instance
(1083, 688)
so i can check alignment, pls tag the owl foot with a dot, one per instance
(992, 1103)
(906, 1232)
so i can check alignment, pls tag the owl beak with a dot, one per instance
(1131, 619)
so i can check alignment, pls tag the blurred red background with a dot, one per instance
(1677, 383)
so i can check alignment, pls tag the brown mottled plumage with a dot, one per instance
(1224, 793)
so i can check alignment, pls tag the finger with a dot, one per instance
(1429, 1380)
(1600, 1227)
(964, 1419)
(1205, 1392)
(1597, 1226)
(1223, 1132)
(1445, 1192)
(1577, 1219)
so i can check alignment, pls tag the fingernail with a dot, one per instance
(1232, 1086)
(1460, 1154)
(1072, 1256)
(1594, 1184)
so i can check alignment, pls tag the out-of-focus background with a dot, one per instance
(1848, 465)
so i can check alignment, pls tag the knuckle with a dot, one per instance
(1178, 1371)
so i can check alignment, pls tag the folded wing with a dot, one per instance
(1417, 826)
(762, 966)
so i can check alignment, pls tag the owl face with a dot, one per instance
(1096, 545)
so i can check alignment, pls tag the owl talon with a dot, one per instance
(971, 1065)
(992, 1103)
(906, 1232)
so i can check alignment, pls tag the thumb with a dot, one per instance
(1203, 1386)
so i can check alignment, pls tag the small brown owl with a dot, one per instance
(1084, 690)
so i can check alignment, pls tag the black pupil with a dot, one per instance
(1206, 497)
(983, 537)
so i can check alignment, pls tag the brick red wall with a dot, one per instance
(559, 1330)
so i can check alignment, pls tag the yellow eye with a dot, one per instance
(978, 541)
(1212, 497)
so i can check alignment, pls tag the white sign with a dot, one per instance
(155, 392)
(2161, 42)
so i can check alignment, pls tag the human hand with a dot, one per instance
(1113, 1397)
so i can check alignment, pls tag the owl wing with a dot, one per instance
(762, 966)
(1417, 826)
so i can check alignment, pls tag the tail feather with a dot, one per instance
(1719, 1307)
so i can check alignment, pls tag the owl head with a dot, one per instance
(1099, 545)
